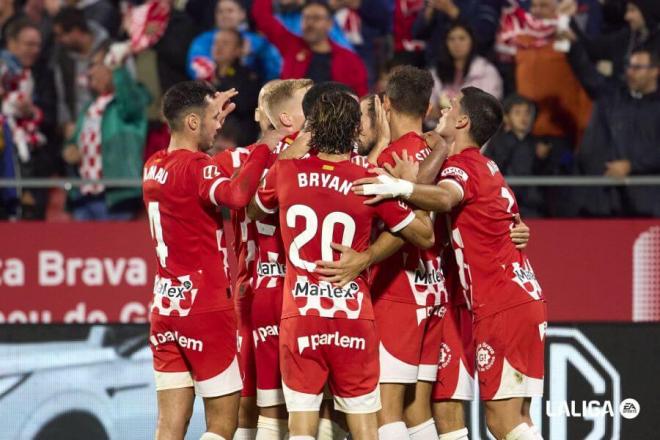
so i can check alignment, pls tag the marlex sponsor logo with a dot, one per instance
(327, 290)
(314, 341)
(182, 341)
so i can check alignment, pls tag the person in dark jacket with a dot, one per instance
(612, 50)
(231, 74)
(622, 137)
(313, 55)
(517, 152)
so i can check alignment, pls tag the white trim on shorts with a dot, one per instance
(465, 385)
(393, 370)
(227, 382)
(365, 404)
(297, 401)
(266, 398)
(427, 372)
(166, 380)
(512, 386)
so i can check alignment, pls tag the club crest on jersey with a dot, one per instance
(485, 357)
(456, 172)
(325, 300)
(445, 356)
(210, 172)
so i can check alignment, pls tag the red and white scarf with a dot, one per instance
(89, 142)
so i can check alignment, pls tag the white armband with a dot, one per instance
(389, 186)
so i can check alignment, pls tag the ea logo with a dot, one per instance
(629, 408)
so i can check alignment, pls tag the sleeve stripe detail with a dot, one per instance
(458, 185)
(262, 207)
(403, 223)
(214, 187)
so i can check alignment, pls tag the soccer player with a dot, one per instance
(500, 286)
(193, 324)
(327, 334)
(282, 103)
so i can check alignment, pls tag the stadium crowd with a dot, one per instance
(578, 80)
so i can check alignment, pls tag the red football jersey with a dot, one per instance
(271, 258)
(493, 273)
(316, 208)
(244, 229)
(422, 281)
(186, 230)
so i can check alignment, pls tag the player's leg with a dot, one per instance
(175, 407)
(221, 415)
(273, 422)
(363, 426)
(510, 362)
(332, 423)
(417, 412)
(400, 347)
(449, 419)
(248, 412)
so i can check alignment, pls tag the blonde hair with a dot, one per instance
(276, 96)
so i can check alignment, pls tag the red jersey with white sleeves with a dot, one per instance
(271, 258)
(186, 231)
(230, 161)
(492, 272)
(316, 208)
(421, 282)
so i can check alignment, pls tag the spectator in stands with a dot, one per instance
(458, 66)
(364, 23)
(258, 53)
(77, 40)
(21, 120)
(623, 133)
(542, 72)
(313, 55)
(229, 73)
(517, 152)
(102, 12)
(482, 15)
(6, 14)
(108, 142)
(407, 49)
(612, 50)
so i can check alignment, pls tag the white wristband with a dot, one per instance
(389, 187)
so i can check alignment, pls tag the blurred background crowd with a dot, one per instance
(578, 80)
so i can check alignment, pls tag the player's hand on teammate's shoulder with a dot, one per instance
(298, 148)
(272, 137)
(520, 233)
(404, 167)
(350, 265)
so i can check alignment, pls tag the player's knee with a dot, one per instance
(449, 416)
(174, 425)
(248, 413)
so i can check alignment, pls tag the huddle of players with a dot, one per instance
(392, 328)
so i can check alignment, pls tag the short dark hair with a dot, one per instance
(322, 3)
(409, 90)
(484, 111)
(334, 123)
(70, 18)
(653, 54)
(515, 99)
(15, 27)
(317, 90)
(184, 97)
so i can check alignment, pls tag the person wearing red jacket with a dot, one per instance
(312, 55)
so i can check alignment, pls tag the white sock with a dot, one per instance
(424, 431)
(393, 431)
(271, 429)
(521, 432)
(245, 434)
(211, 436)
(301, 437)
(536, 432)
(460, 434)
(329, 430)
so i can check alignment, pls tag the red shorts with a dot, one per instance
(509, 352)
(246, 345)
(266, 315)
(197, 350)
(410, 341)
(455, 379)
(341, 352)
